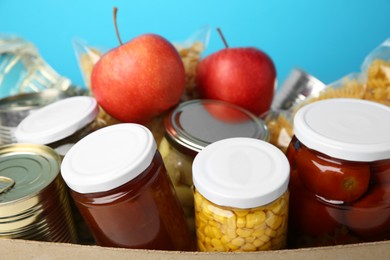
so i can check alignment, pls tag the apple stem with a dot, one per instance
(223, 38)
(116, 26)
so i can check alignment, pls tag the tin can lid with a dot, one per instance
(345, 128)
(108, 158)
(57, 120)
(195, 124)
(241, 172)
(25, 170)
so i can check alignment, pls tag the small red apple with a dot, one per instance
(139, 79)
(242, 76)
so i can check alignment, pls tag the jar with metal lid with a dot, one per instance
(119, 183)
(60, 124)
(193, 125)
(241, 196)
(340, 173)
(34, 204)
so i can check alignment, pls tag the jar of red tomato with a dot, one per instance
(340, 173)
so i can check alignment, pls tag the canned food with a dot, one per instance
(298, 86)
(192, 126)
(340, 173)
(60, 124)
(241, 196)
(120, 185)
(14, 109)
(33, 200)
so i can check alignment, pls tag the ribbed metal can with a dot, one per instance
(34, 203)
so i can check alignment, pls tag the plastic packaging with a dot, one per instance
(241, 196)
(340, 173)
(23, 70)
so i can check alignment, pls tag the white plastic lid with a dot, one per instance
(57, 120)
(241, 172)
(108, 158)
(349, 129)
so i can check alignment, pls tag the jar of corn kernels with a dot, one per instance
(241, 196)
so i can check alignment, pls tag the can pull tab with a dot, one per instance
(6, 184)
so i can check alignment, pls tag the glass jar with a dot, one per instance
(61, 124)
(192, 126)
(120, 185)
(241, 196)
(340, 173)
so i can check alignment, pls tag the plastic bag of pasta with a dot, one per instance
(87, 56)
(376, 72)
(371, 83)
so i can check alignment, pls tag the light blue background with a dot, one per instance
(328, 39)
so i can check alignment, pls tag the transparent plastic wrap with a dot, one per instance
(23, 70)
(371, 83)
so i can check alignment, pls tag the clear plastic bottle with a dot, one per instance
(119, 183)
(241, 196)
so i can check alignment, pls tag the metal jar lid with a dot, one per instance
(33, 200)
(14, 109)
(194, 124)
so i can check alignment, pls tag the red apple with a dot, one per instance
(139, 79)
(242, 76)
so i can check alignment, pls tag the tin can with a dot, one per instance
(241, 196)
(60, 124)
(340, 173)
(34, 204)
(14, 109)
(298, 86)
(192, 126)
(119, 183)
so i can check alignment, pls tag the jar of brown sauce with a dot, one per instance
(119, 183)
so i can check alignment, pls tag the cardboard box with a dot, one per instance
(22, 249)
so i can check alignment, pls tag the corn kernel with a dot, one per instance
(201, 247)
(250, 239)
(258, 242)
(241, 213)
(238, 241)
(244, 232)
(258, 232)
(248, 247)
(264, 238)
(215, 232)
(217, 245)
(266, 246)
(225, 239)
(274, 221)
(232, 247)
(270, 232)
(241, 222)
(254, 218)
